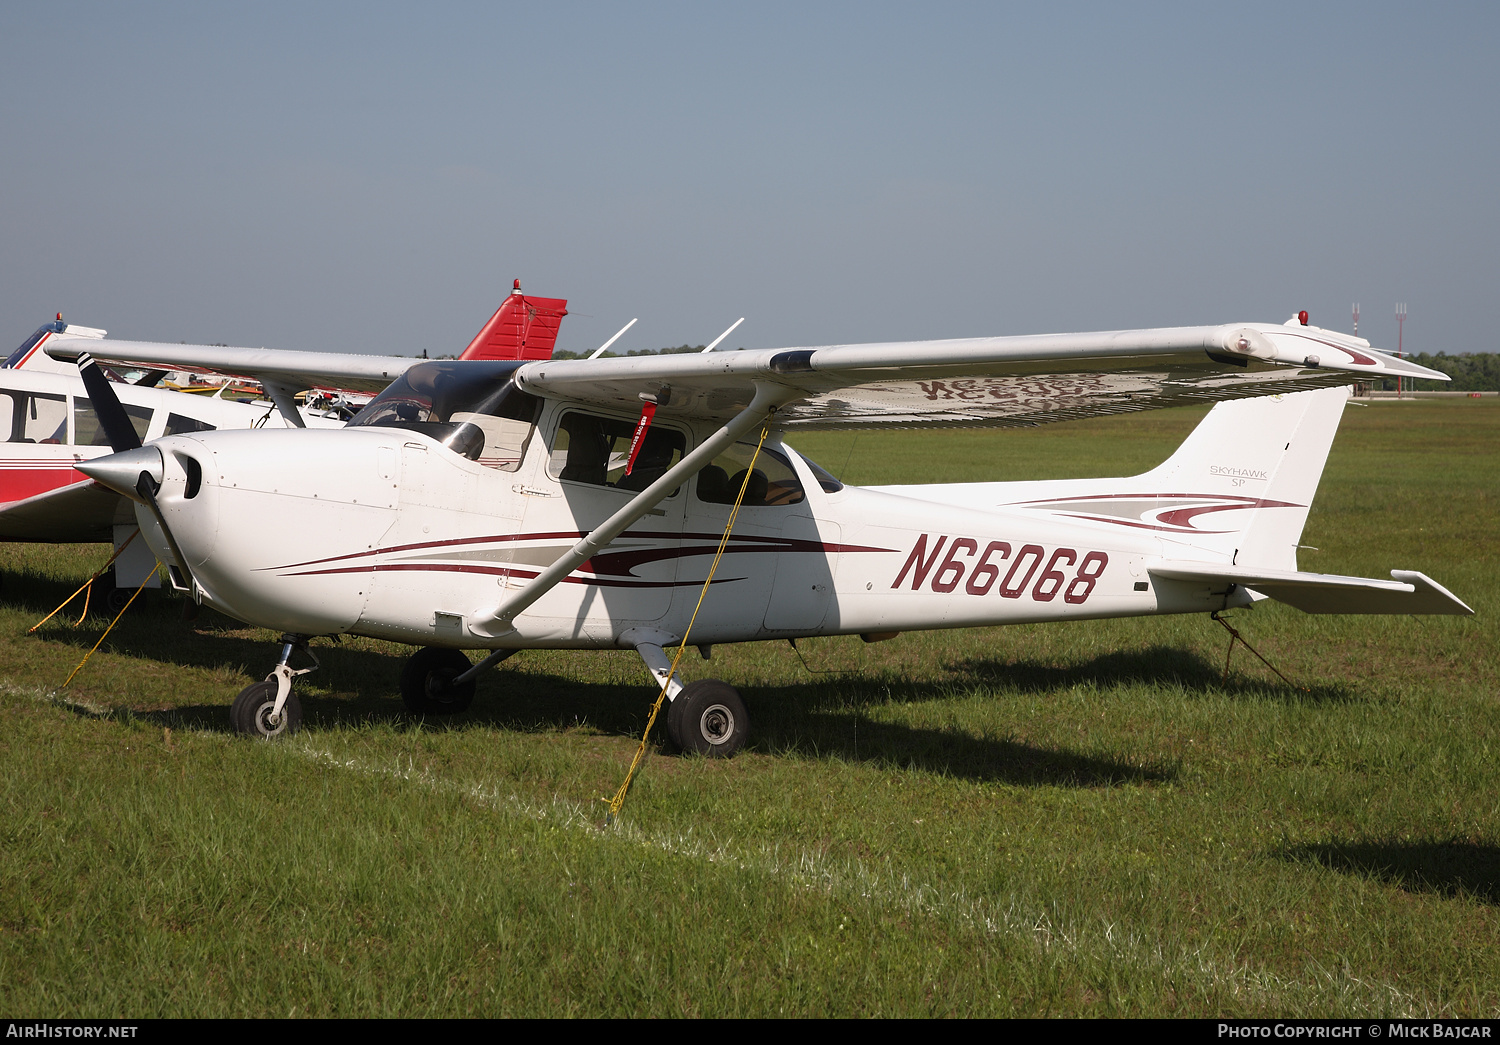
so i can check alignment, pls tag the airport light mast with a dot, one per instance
(1400, 331)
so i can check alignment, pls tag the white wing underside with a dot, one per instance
(1004, 381)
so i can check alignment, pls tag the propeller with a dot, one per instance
(133, 470)
(112, 416)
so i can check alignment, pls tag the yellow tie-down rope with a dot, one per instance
(107, 630)
(88, 586)
(618, 801)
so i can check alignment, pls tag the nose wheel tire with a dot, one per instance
(427, 682)
(709, 717)
(251, 712)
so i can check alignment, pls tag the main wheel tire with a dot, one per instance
(426, 682)
(709, 717)
(117, 599)
(251, 712)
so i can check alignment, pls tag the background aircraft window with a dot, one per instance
(473, 410)
(88, 432)
(179, 425)
(594, 450)
(36, 418)
(773, 482)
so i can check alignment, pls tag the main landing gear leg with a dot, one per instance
(706, 716)
(270, 708)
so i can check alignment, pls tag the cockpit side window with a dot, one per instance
(177, 424)
(595, 450)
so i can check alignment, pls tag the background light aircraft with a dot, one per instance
(579, 504)
(49, 424)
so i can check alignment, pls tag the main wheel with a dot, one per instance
(251, 712)
(427, 682)
(709, 717)
(117, 599)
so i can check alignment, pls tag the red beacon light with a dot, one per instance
(1302, 317)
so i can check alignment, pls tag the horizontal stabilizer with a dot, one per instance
(1409, 592)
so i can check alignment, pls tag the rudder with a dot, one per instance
(521, 328)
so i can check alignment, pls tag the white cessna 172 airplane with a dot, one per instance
(49, 424)
(578, 504)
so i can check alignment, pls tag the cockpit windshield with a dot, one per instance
(473, 408)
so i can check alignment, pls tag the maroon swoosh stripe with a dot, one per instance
(417, 567)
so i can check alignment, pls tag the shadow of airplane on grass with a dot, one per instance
(1451, 869)
(824, 718)
(1154, 665)
(817, 720)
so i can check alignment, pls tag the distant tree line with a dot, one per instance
(1470, 371)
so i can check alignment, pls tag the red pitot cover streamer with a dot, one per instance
(648, 411)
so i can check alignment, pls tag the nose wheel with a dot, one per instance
(269, 709)
(708, 717)
(254, 712)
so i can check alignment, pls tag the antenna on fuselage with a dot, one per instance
(722, 336)
(600, 350)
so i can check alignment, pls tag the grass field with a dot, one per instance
(1079, 819)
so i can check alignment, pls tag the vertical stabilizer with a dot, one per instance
(31, 357)
(522, 327)
(1255, 465)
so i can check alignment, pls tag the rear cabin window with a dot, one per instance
(595, 450)
(772, 481)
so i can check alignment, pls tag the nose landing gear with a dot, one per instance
(270, 708)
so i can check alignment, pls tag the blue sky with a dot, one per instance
(371, 177)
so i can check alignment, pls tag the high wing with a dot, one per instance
(523, 327)
(283, 369)
(1000, 381)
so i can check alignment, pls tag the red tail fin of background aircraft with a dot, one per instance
(522, 328)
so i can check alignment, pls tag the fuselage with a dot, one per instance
(392, 533)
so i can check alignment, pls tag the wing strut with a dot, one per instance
(282, 395)
(768, 397)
